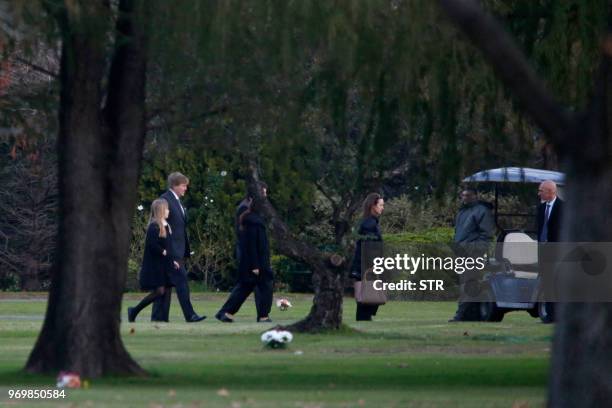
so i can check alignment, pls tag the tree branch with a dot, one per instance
(512, 68)
(201, 115)
(333, 202)
(38, 68)
(286, 242)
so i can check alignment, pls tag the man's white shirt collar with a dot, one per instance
(552, 202)
(179, 200)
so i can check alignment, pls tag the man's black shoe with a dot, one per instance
(223, 318)
(268, 320)
(195, 318)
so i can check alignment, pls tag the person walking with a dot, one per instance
(369, 230)
(156, 262)
(254, 268)
(179, 250)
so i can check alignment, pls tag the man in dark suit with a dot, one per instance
(549, 218)
(179, 246)
(550, 213)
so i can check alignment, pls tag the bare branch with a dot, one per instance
(36, 67)
(286, 242)
(327, 195)
(201, 115)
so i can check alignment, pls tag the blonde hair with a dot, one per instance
(158, 208)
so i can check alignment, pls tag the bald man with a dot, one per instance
(550, 213)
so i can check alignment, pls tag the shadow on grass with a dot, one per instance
(380, 374)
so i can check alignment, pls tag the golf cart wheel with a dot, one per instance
(489, 312)
(533, 312)
(546, 311)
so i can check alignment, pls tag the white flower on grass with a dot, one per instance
(285, 336)
(67, 379)
(140, 207)
(276, 338)
(212, 201)
(223, 173)
(283, 304)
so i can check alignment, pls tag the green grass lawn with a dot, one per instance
(408, 357)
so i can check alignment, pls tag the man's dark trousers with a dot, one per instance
(179, 279)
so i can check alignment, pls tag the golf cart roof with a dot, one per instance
(515, 175)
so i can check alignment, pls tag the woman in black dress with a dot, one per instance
(156, 263)
(254, 268)
(369, 230)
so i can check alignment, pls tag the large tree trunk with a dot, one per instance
(581, 366)
(581, 369)
(99, 155)
(326, 311)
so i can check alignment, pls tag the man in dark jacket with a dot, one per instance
(179, 251)
(550, 213)
(474, 224)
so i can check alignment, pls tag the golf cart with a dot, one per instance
(512, 281)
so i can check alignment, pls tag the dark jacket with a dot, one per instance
(155, 266)
(554, 220)
(178, 223)
(242, 207)
(254, 248)
(369, 231)
(474, 223)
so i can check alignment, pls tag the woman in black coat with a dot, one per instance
(254, 269)
(156, 263)
(369, 230)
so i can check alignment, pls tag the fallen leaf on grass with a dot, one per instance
(172, 393)
(223, 392)
(132, 330)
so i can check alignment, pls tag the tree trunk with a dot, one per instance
(582, 349)
(99, 156)
(327, 275)
(581, 366)
(326, 310)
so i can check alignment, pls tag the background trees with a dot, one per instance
(582, 140)
(327, 101)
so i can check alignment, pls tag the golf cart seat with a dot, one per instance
(520, 254)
